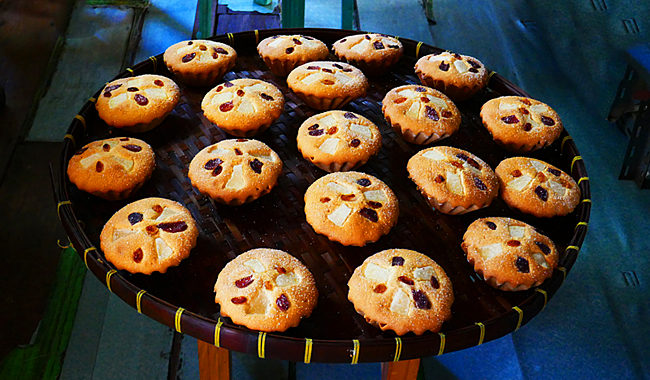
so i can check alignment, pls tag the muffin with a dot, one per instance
(457, 76)
(520, 124)
(235, 172)
(149, 235)
(338, 140)
(112, 169)
(284, 53)
(137, 104)
(402, 290)
(243, 107)
(351, 208)
(420, 115)
(327, 85)
(536, 187)
(199, 62)
(374, 54)
(266, 289)
(510, 255)
(453, 180)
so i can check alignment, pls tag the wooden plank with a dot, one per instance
(214, 362)
(404, 370)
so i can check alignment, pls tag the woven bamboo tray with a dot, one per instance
(183, 298)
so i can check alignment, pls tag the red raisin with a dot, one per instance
(462, 156)
(256, 165)
(289, 50)
(173, 227)
(420, 89)
(399, 100)
(350, 116)
(137, 255)
(190, 42)
(325, 199)
(203, 47)
(431, 113)
(355, 143)
(338, 66)
(219, 88)
(228, 84)
(446, 113)
(113, 87)
(99, 167)
(132, 148)
(365, 182)
(332, 130)
(158, 83)
(244, 282)
(107, 94)
(522, 265)
(316, 132)
(157, 208)
(541, 177)
(528, 127)
(473, 163)
(312, 127)
(221, 50)
(347, 197)
(297, 41)
(240, 92)
(513, 243)
(526, 101)
(212, 164)
(135, 217)
(434, 282)
(516, 173)
(188, 57)
(545, 249)
(241, 140)
(327, 82)
(479, 184)
(421, 300)
(217, 171)
(378, 45)
(369, 214)
(280, 269)
(472, 70)
(132, 89)
(238, 152)
(554, 171)
(406, 280)
(151, 230)
(238, 300)
(439, 179)
(266, 97)
(374, 204)
(313, 67)
(141, 99)
(548, 121)
(524, 111)
(541, 193)
(124, 139)
(379, 288)
(227, 106)
(328, 70)
(106, 147)
(424, 99)
(510, 119)
(473, 63)
(283, 302)
(444, 66)
(397, 261)
(366, 37)
(491, 225)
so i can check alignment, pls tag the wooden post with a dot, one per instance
(293, 13)
(214, 362)
(347, 14)
(403, 370)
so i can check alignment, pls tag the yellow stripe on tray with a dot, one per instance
(131, 71)
(138, 300)
(86, 256)
(155, 63)
(71, 138)
(355, 352)
(58, 207)
(417, 50)
(545, 296)
(482, 337)
(581, 224)
(217, 333)
(82, 120)
(564, 140)
(261, 345)
(583, 179)
(563, 270)
(308, 347)
(177, 319)
(575, 159)
(108, 279)
(231, 38)
(521, 316)
(443, 339)
(257, 37)
(398, 349)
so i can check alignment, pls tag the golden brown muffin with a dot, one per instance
(243, 107)
(520, 124)
(284, 53)
(402, 290)
(374, 54)
(457, 76)
(235, 172)
(510, 255)
(420, 115)
(112, 169)
(453, 180)
(149, 235)
(338, 140)
(199, 62)
(536, 187)
(266, 289)
(139, 103)
(326, 85)
(351, 208)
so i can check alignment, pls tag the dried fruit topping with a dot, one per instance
(350, 115)
(378, 45)
(221, 50)
(513, 243)
(289, 50)
(132, 148)
(369, 214)
(137, 255)
(548, 121)
(238, 300)
(266, 97)
(219, 88)
(421, 300)
(473, 163)
(338, 66)
(434, 282)
(241, 140)
(343, 40)
(132, 89)
(397, 261)
(107, 94)
(444, 66)
(420, 89)
(316, 132)
(215, 55)
(240, 92)
(238, 152)
(374, 204)
(510, 119)
(141, 99)
(491, 225)
(431, 113)
(244, 282)
(217, 171)
(526, 101)
(313, 67)
(541, 177)
(542, 193)
(159, 83)
(545, 249)
(516, 173)
(366, 37)
(313, 126)
(365, 182)
(347, 70)
(347, 197)
(190, 42)
(528, 127)
(328, 70)
(268, 285)
(457, 56)
(554, 171)
(280, 269)
(328, 82)
(99, 167)
(227, 106)
(228, 84)
(106, 147)
(399, 100)
(379, 288)
(325, 199)
(355, 143)
(256, 165)
(424, 99)
(203, 47)
(157, 208)
(479, 184)
(439, 179)
(332, 130)
(124, 139)
(173, 226)
(462, 156)
(406, 280)
(472, 70)
(151, 230)
(522, 265)
(213, 163)
(457, 164)
(524, 111)
(113, 87)
(135, 217)
(297, 41)
(283, 302)
(188, 57)
(473, 63)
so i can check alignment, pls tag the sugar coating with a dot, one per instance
(458, 76)
(327, 80)
(373, 53)
(283, 53)
(199, 62)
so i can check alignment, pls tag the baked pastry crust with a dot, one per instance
(338, 140)
(536, 187)
(351, 208)
(419, 114)
(283, 53)
(453, 180)
(112, 169)
(402, 290)
(235, 171)
(325, 85)
(243, 107)
(520, 124)
(373, 53)
(199, 62)
(509, 254)
(457, 76)
(137, 104)
(266, 289)
(149, 235)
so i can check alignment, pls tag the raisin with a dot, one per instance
(439, 179)
(462, 156)
(347, 70)
(124, 139)
(541, 193)
(473, 63)
(325, 199)
(399, 100)
(132, 148)
(457, 164)
(188, 57)
(228, 84)
(268, 285)
(137, 255)
(99, 167)
(328, 70)
(457, 56)
(151, 230)
(157, 208)
(280, 269)
(541, 177)
(355, 143)
(332, 130)
(444, 66)
(431, 113)
(365, 182)
(350, 115)
(397, 261)
(510, 119)
(266, 97)
(227, 106)
(173, 226)
(313, 67)
(374, 204)
(297, 41)
(434, 282)
(215, 55)
(366, 37)
(548, 121)
(219, 88)
(313, 126)
(421, 300)
(221, 50)
(420, 89)
(516, 173)
(283, 302)
(217, 171)
(526, 101)
(513, 243)
(256, 165)
(203, 47)
(241, 140)
(369, 214)
(491, 225)
(406, 280)
(289, 50)
(379, 288)
(159, 83)
(328, 82)
(141, 99)
(343, 40)
(479, 184)
(238, 300)
(190, 42)
(316, 132)
(347, 197)
(244, 282)
(424, 99)
(473, 163)
(528, 127)
(132, 89)
(106, 147)
(472, 70)
(522, 265)
(238, 152)
(107, 94)
(135, 217)
(554, 171)
(545, 249)
(213, 163)
(240, 92)
(378, 45)
(113, 87)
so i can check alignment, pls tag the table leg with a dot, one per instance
(403, 370)
(214, 362)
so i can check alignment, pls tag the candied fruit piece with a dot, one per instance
(217, 171)
(420, 89)
(479, 184)
(289, 50)
(106, 147)
(510, 119)
(548, 121)
(151, 230)
(545, 248)
(397, 261)
(81, 151)
(135, 217)
(228, 84)
(132, 89)
(369, 214)
(99, 167)
(554, 171)
(107, 94)
(374, 204)
(316, 132)
(328, 70)
(332, 130)
(513, 243)
(524, 111)
(280, 269)
(350, 115)
(312, 127)
(219, 88)
(141, 99)
(462, 156)
(240, 92)
(541, 177)
(522, 265)
(473, 163)
(447, 113)
(327, 82)
(528, 127)
(421, 300)
(113, 87)
(347, 197)
(244, 282)
(526, 101)
(238, 300)
(188, 57)
(379, 288)
(491, 225)
(137, 255)
(256, 165)
(439, 179)
(213, 164)
(444, 66)
(457, 164)
(355, 143)
(406, 280)
(434, 282)
(221, 50)
(283, 302)
(158, 83)
(297, 41)
(424, 99)
(203, 47)
(378, 45)
(431, 113)
(241, 140)
(173, 226)
(313, 67)
(266, 97)
(268, 285)
(325, 199)
(157, 208)
(338, 66)
(399, 100)
(132, 148)
(516, 173)
(542, 193)
(472, 70)
(365, 182)
(227, 106)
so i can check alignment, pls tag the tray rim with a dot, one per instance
(271, 345)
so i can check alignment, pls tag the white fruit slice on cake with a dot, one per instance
(400, 303)
(340, 215)
(237, 180)
(377, 273)
(519, 183)
(255, 265)
(164, 250)
(490, 251)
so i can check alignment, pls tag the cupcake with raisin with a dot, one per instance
(374, 54)
(199, 62)
(457, 76)
(283, 53)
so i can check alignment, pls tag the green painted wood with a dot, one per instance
(293, 13)
(204, 15)
(347, 14)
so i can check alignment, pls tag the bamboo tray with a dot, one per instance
(183, 298)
